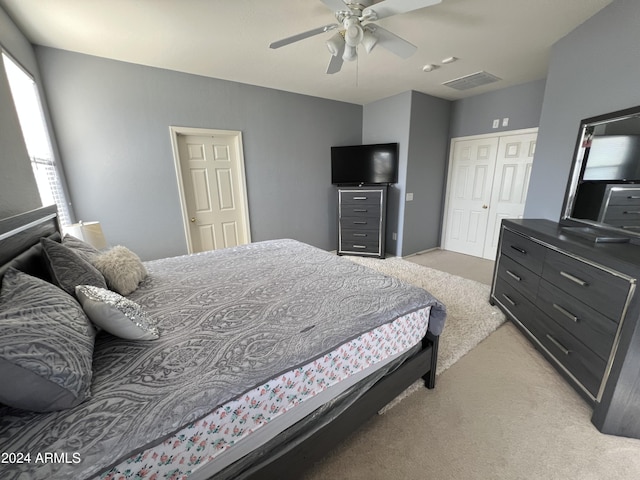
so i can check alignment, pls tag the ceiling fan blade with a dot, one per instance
(335, 5)
(335, 64)
(392, 42)
(387, 8)
(303, 35)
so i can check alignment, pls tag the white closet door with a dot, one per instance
(488, 181)
(510, 184)
(472, 167)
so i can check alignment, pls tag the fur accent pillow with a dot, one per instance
(122, 269)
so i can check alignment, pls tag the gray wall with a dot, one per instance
(112, 123)
(521, 104)
(420, 124)
(593, 70)
(426, 177)
(386, 121)
(18, 190)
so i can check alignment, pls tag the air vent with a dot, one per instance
(471, 81)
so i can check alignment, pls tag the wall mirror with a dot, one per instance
(604, 185)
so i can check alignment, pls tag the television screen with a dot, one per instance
(364, 164)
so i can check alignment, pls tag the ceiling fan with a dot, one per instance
(356, 26)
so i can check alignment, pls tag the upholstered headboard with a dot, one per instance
(20, 240)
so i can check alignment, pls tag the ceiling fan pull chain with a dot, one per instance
(357, 69)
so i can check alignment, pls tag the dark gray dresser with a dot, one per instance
(361, 220)
(577, 302)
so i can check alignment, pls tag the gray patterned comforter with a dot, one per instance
(230, 320)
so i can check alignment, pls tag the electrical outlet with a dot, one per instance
(394, 236)
(505, 121)
(496, 123)
(409, 197)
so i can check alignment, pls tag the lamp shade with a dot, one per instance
(90, 232)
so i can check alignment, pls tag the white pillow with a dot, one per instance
(117, 315)
(121, 268)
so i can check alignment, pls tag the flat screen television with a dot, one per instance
(364, 164)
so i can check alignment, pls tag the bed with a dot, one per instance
(262, 357)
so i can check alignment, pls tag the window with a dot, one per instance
(36, 137)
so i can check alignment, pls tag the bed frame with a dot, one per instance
(20, 247)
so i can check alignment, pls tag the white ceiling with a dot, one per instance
(229, 39)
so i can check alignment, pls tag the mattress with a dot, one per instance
(230, 320)
(205, 447)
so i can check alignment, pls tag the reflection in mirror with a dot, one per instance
(604, 187)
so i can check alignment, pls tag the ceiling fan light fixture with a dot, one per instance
(349, 54)
(369, 40)
(353, 32)
(335, 44)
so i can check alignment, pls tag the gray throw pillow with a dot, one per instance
(122, 269)
(82, 248)
(46, 345)
(68, 269)
(116, 314)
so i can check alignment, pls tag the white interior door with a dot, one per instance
(471, 173)
(488, 181)
(511, 181)
(211, 177)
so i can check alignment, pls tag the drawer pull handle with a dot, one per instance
(633, 197)
(508, 299)
(565, 312)
(360, 198)
(626, 212)
(561, 347)
(518, 249)
(359, 234)
(514, 276)
(359, 246)
(360, 210)
(574, 279)
(359, 223)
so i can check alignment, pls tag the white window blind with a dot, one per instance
(36, 137)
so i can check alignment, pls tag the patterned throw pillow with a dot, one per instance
(117, 315)
(46, 345)
(122, 269)
(82, 248)
(68, 269)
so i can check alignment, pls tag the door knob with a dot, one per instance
(485, 206)
(193, 219)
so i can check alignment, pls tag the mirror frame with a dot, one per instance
(576, 171)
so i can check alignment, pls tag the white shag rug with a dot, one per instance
(470, 317)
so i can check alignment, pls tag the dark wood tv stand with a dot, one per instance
(362, 212)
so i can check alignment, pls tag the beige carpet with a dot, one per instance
(500, 413)
(499, 410)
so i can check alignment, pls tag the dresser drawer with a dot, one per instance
(587, 367)
(591, 327)
(624, 196)
(623, 214)
(524, 251)
(356, 246)
(514, 301)
(522, 279)
(356, 210)
(364, 197)
(360, 236)
(360, 223)
(591, 285)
